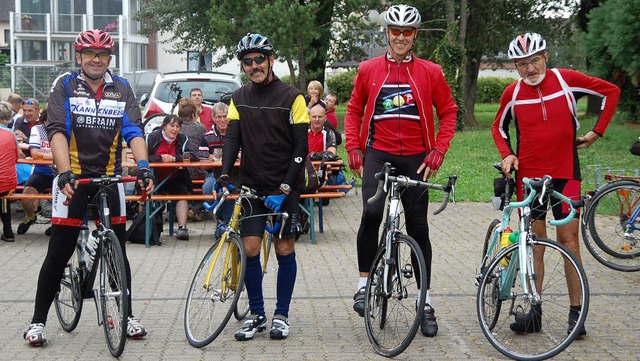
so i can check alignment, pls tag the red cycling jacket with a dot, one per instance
(545, 123)
(429, 87)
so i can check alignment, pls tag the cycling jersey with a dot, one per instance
(39, 140)
(427, 88)
(320, 141)
(545, 122)
(93, 123)
(274, 117)
(8, 144)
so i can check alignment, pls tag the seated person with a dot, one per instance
(314, 94)
(42, 176)
(320, 138)
(211, 150)
(168, 145)
(194, 132)
(322, 146)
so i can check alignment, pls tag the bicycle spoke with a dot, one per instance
(543, 336)
(392, 318)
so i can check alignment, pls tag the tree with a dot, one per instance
(300, 30)
(613, 49)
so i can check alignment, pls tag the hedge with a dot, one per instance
(490, 89)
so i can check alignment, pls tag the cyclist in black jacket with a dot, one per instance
(269, 120)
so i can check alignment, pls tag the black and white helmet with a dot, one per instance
(402, 15)
(525, 45)
(254, 43)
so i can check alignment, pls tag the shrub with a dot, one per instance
(342, 85)
(490, 89)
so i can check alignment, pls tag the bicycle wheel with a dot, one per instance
(242, 307)
(68, 301)
(550, 334)
(491, 302)
(392, 318)
(610, 226)
(209, 306)
(114, 302)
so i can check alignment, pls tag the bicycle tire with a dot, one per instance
(553, 335)
(242, 306)
(113, 289)
(606, 229)
(208, 310)
(68, 301)
(492, 297)
(392, 321)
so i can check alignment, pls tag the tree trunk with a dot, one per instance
(470, 88)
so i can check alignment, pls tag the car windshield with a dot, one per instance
(212, 91)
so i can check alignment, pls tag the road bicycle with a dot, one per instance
(217, 289)
(396, 286)
(98, 253)
(611, 224)
(511, 283)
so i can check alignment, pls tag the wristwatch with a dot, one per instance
(285, 188)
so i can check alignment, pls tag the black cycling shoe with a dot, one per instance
(358, 302)
(573, 319)
(429, 326)
(529, 322)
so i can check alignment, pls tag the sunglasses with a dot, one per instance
(90, 55)
(405, 32)
(258, 60)
(29, 102)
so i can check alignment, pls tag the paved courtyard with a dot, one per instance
(323, 325)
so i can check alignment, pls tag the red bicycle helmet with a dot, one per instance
(94, 39)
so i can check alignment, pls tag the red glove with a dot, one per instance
(355, 159)
(434, 160)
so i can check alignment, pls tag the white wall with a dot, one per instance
(168, 62)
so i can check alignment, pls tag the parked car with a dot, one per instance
(168, 88)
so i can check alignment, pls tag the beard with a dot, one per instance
(540, 79)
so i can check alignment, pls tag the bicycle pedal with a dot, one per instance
(407, 271)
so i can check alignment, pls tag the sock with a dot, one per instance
(253, 283)
(427, 300)
(362, 282)
(287, 270)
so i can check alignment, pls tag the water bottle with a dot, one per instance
(505, 242)
(91, 248)
(82, 243)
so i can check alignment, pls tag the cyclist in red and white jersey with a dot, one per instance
(541, 106)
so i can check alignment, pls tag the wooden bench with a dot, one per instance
(308, 206)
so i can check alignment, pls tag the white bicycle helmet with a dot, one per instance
(525, 45)
(251, 43)
(402, 15)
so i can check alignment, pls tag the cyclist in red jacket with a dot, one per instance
(542, 107)
(390, 119)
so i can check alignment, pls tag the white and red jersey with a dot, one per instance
(545, 122)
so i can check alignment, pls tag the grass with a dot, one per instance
(473, 152)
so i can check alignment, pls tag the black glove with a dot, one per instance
(329, 157)
(222, 182)
(66, 177)
(145, 175)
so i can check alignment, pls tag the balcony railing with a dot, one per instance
(36, 23)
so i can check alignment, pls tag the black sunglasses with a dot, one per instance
(258, 60)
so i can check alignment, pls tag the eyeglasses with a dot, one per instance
(405, 32)
(258, 60)
(536, 61)
(90, 55)
(29, 102)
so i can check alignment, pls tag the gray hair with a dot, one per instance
(219, 107)
(6, 112)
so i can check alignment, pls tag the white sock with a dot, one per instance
(362, 282)
(427, 300)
